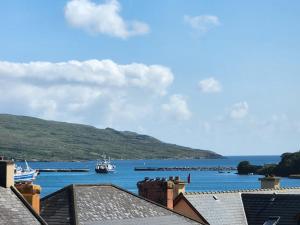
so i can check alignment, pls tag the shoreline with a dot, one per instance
(87, 160)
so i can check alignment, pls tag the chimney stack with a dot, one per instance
(179, 186)
(7, 170)
(31, 193)
(161, 191)
(270, 182)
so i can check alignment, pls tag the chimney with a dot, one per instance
(161, 191)
(31, 193)
(179, 186)
(169, 194)
(270, 182)
(7, 170)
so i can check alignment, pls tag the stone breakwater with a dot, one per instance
(187, 168)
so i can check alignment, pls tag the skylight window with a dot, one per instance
(273, 220)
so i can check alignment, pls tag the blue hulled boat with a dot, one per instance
(27, 174)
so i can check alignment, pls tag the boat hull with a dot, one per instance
(104, 169)
(104, 166)
(101, 170)
(25, 176)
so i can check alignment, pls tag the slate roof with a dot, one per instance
(14, 209)
(105, 204)
(259, 207)
(219, 208)
(226, 208)
(58, 208)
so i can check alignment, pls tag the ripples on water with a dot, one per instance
(126, 177)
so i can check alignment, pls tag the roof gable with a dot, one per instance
(58, 207)
(219, 208)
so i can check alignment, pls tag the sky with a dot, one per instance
(208, 74)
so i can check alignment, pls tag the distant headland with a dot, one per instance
(23, 137)
(289, 166)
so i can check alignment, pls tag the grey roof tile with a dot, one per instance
(14, 210)
(219, 208)
(161, 220)
(227, 207)
(106, 204)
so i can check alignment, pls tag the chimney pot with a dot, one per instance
(270, 182)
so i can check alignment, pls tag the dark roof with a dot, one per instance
(14, 209)
(58, 208)
(226, 207)
(260, 207)
(105, 204)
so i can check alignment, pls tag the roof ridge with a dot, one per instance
(73, 206)
(27, 205)
(239, 190)
(153, 202)
(68, 187)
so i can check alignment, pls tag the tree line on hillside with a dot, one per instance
(288, 165)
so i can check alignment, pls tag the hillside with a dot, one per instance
(289, 165)
(23, 137)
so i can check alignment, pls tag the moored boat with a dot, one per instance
(27, 174)
(104, 165)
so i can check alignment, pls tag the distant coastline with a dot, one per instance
(33, 139)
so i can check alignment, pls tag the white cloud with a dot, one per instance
(210, 85)
(105, 73)
(102, 18)
(93, 91)
(239, 110)
(202, 23)
(177, 108)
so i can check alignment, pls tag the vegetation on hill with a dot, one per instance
(289, 165)
(30, 138)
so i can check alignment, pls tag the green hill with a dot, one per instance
(23, 137)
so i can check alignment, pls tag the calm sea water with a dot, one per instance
(126, 177)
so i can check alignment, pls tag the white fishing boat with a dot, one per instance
(25, 174)
(104, 165)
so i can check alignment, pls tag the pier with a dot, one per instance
(186, 168)
(64, 170)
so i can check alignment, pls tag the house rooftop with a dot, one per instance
(290, 190)
(281, 209)
(226, 207)
(105, 204)
(15, 210)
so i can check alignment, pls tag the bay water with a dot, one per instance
(127, 178)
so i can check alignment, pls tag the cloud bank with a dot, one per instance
(102, 19)
(93, 91)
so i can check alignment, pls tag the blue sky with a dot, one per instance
(213, 75)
